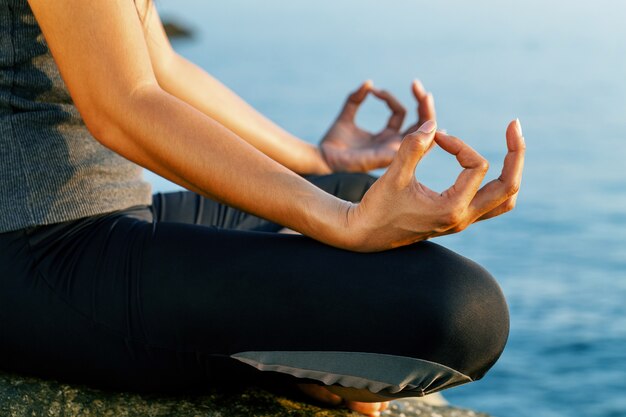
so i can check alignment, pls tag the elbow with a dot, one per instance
(111, 119)
(96, 124)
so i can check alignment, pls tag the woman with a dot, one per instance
(100, 284)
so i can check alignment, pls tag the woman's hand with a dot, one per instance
(348, 148)
(399, 210)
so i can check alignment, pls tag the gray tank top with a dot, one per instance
(51, 169)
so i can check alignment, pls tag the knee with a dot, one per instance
(473, 321)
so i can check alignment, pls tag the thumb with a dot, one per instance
(414, 146)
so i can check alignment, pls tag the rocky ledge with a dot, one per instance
(24, 396)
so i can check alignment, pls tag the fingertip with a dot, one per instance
(514, 135)
(428, 126)
(447, 142)
(440, 136)
(514, 128)
(418, 89)
(359, 95)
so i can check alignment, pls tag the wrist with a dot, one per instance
(326, 219)
(344, 229)
(356, 233)
(307, 159)
(323, 166)
(314, 162)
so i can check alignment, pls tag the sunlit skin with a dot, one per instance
(346, 147)
(142, 100)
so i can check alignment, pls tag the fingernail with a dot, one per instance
(428, 126)
(518, 125)
(376, 414)
(368, 83)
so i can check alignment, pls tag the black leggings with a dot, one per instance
(174, 297)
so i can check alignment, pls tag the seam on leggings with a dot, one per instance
(100, 262)
(71, 306)
(140, 343)
(76, 310)
(139, 309)
(107, 328)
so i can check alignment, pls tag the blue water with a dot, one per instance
(560, 67)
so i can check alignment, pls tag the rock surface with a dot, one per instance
(26, 396)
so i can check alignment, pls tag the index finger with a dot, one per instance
(398, 112)
(474, 169)
(354, 101)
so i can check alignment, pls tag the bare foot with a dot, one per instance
(323, 394)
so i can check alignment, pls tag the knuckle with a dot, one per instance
(511, 188)
(450, 218)
(458, 228)
(509, 205)
(482, 165)
(396, 182)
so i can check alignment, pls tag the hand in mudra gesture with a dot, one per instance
(399, 210)
(348, 148)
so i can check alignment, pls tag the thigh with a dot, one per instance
(191, 208)
(419, 317)
(62, 307)
(127, 303)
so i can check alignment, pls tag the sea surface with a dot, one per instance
(560, 66)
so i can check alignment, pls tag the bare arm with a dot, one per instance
(188, 82)
(97, 44)
(102, 54)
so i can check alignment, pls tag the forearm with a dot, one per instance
(178, 142)
(193, 85)
(102, 44)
